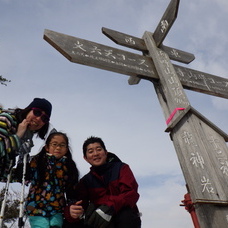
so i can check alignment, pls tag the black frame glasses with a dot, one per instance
(55, 145)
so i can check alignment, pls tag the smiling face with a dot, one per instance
(35, 122)
(57, 146)
(95, 154)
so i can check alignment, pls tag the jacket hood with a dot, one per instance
(100, 170)
(112, 158)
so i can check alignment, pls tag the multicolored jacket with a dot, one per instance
(47, 198)
(9, 142)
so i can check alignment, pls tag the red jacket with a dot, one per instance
(112, 184)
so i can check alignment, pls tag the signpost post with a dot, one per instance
(200, 145)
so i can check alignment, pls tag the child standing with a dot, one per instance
(52, 173)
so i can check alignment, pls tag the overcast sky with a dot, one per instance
(89, 101)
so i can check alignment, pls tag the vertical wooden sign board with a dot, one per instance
(201, 148)
(200, 145)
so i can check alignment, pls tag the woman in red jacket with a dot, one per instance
(109, 192)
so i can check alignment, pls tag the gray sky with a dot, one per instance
(89, 101)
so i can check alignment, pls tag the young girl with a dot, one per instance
(52, 173)
(17, 129)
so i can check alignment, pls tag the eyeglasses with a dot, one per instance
(39, 113)
(55, 145)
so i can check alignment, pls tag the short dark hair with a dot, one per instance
(92, 139)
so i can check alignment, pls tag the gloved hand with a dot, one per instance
(26, 147)
(89, 211)
(100, 217)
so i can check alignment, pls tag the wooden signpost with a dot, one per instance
(200, 145)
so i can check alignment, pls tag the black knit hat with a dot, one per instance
(43, 104)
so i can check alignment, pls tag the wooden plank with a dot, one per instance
(201, 117)
(177, 55)
(97, 55)
(203, 156)
(125, 39)
(139, 44)
(201, 149)
(211, 216)
(217, 151)
(191, 135)
(202, 82)
(166, 22)
(125, 63)
(173, 93)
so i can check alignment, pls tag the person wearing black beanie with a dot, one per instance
(17, 129)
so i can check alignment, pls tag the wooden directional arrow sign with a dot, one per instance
(166, 22)
(139, 44)
(108, 58)
(202, 82)
(97, 55)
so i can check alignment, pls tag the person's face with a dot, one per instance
(95, 154)
(57, 146)
(35, 121)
